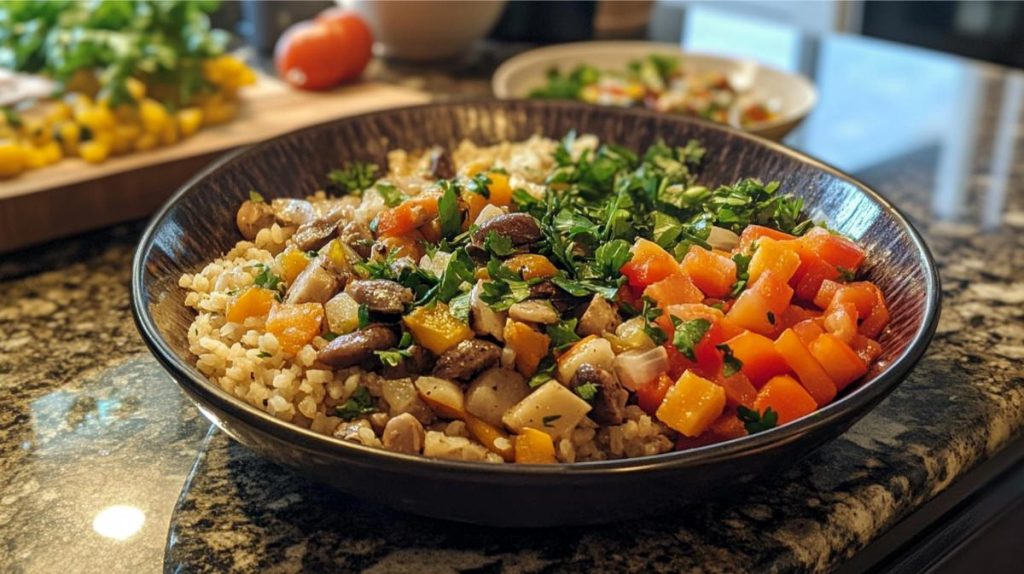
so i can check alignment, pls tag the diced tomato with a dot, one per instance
(808, 330)
(809, 276)
(673, 290)
(649, 396)
(754, 232)
(712, 273)
(760, 359)
(726, 427)
(677, 362)
(795, 314)
(834, 249)
(841, 321)
(649, 264)
(867, 349)
(760, 307)
(707, 357)
(842, 363)
(812, 376)
(407, 216)
(777, 257)
(738, 390)
(873, 318)
(786, 397)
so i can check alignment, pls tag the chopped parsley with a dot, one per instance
(688, 334)
(550, 419)
(498, 244)
(544, 372)
(846, 275)
(563, 334)
(394, 357)
(354, 178)
(459, 307)
(479, 185)
(756, 422)
(448, 211)
(358, 404)
(587, 391)
(255, 197)
(742, 273)
(506, 287)
(730, 364)
(364, 316)
(390, 194)
(330, 335)
(264, 355)
(650, 312)
(266, 278)
(611, 256)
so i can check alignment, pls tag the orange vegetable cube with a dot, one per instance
(495, 439)
(778, 257)
(531, 266)
(408, 215)
(712, 273)
(738, 390)
(649, 264)
(673, 290)
(841, 362)
(867, 349)
(760, 307)
(499, 190)
(826, 292)
(292, 262)
(475, 204)
(760, 359)
(436, 329)
(811, 274)
(253, 302)
(835, 249)
(534, 447)
(295, 325)
(692, 404)
(795, 314)
(529, 345)
(808, 330)
(752, 233)
(812, 376)
(841, 321)
(786, 397)
(650, 396)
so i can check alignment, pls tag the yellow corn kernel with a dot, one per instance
(189, 120)
(153, 115)
(13, 158)
(94, 151)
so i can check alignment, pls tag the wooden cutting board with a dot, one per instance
(73, 196)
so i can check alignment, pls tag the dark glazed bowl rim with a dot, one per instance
(853, 402)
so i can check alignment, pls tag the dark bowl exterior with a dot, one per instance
(197, 225)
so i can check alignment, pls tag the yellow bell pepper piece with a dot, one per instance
(292, 262)
(534, 447)
(692, 404)
(253, 302)
(491, 437)
(436, 329)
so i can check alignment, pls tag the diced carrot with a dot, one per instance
(826, 292)
(649, 396)
(841, 321)
(786, 397)
(738, 390)
(837, 358)
(873, 319)
(529, 345)
(726, 427)
(754, 232)
(795, 314)
(867, 349)
(649, 264)
(495, 439)
(835, 249)
(712, 273)
(691, 405)
(475, 203)
(673, 290)
(294, 325)
(812, 376)
(499, 191)
(778, 257)
(808, 330)
(253, 302)
(408, 215)
(534, 447)
(760, 359)
(760, 307)
(531, 266)
(404, 245)
(292, 262)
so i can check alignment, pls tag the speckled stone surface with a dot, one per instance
(90, 422)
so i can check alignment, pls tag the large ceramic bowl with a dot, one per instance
(197, 225)
(791, 96)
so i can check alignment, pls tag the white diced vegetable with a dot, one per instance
(492, 393)
(593, 350)
(552, 408)
(442, 395)
(636, 368)
(342, 314)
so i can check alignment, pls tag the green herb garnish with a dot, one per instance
(550, 419)
(688, 334)
(587, 391)
(730, 364)
(266, 278)
(358, 404)
(563, 334)
(255, 197)
(364, 316)
(448, 210)
(393, 357)
(756, 422)
(354, 178)
(390, 194)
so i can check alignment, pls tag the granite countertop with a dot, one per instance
(107, 466)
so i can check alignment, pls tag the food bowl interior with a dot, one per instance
(790, 95)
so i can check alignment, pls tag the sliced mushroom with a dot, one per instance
(519, 228)
(380, 295)
(314, 234)
(404, 434)
(466, 359)
(253, 216)
(610, 400)
(358, 237)
(534, 311)
(357, 347)
(315, 284)
(441, 165)
(599, 317)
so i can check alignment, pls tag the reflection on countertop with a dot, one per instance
(97, 443)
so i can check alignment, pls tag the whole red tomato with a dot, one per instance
(323, 53)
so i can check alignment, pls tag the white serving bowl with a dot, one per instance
(790, 96)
